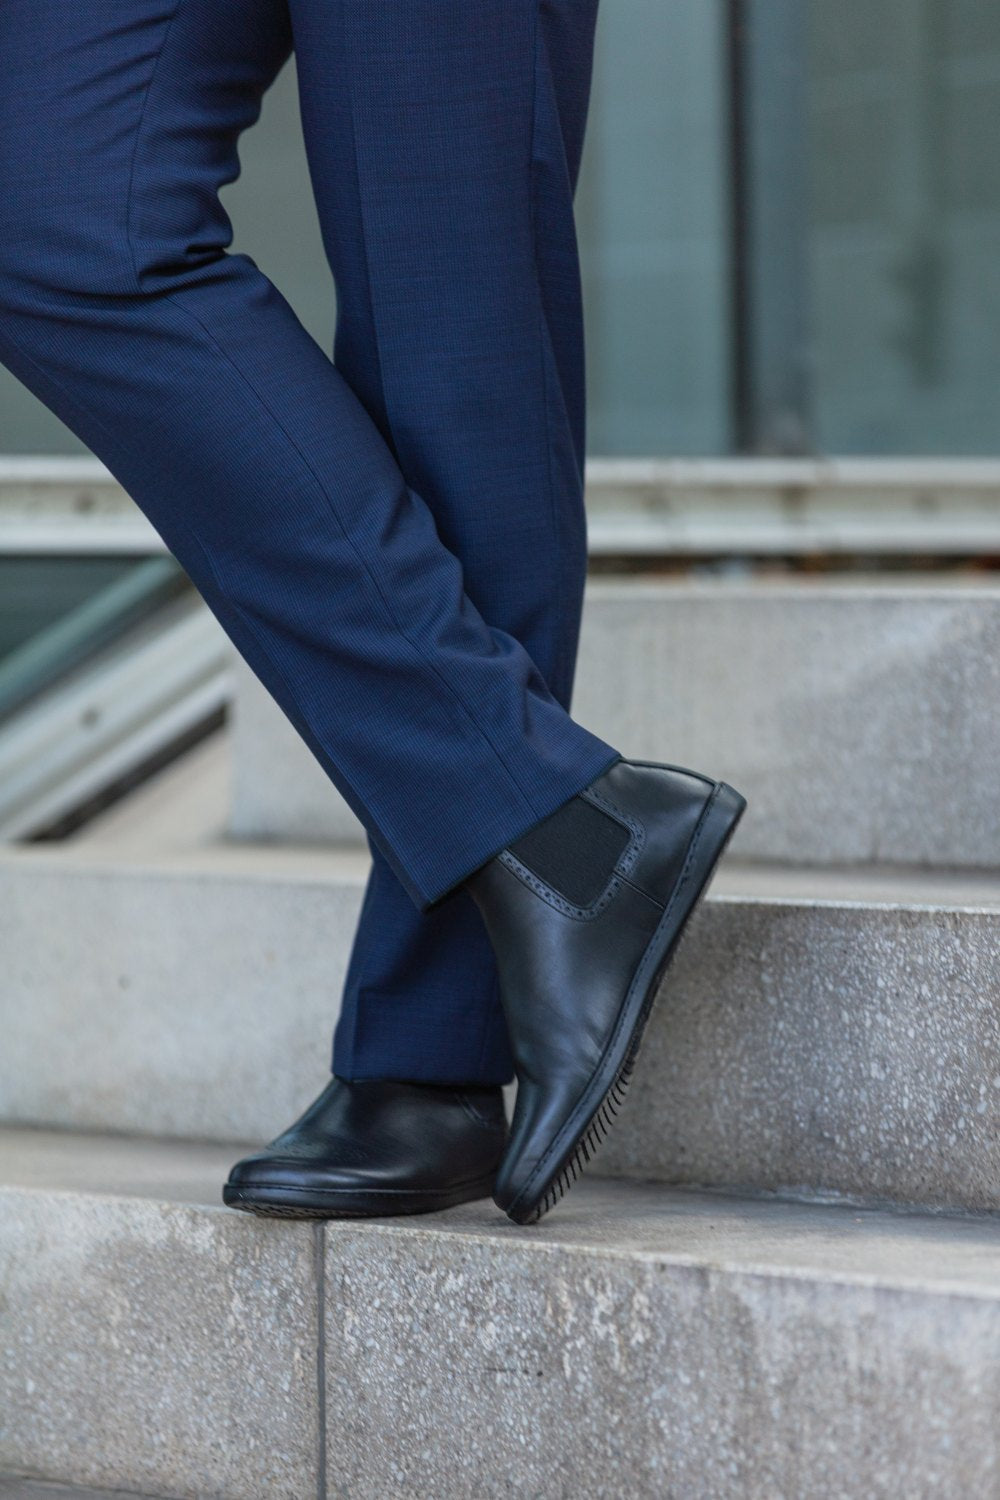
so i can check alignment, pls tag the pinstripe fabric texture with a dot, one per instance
(394, 540)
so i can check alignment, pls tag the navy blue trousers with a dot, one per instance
(395, 539)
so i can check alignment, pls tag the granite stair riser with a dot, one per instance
(845, 1049)
(812, 1045)
(555, 1374)
(205, 1010)
(156, 1346)
(175, 1349)
(860, 723)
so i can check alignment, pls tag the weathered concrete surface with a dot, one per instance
(192, 996)
(820, 1030)
(838, 1046)
(652, 1344)
(279, 790)
(863, 723)
(155, 1345)
(487, 1373)
(13, 1488)
(640, 1340)
(169, 1171)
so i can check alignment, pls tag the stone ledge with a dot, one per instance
(15, 1487)
(155, 1345)
(856, 719)
(827, 1030)
(638, 1340)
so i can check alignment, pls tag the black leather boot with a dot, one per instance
(584, 912)
(373, 1148)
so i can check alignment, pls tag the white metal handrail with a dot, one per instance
(153, 686)
(675, 506)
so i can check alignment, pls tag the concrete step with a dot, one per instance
(640, 1340)
(860, 720)
(827, 1031)
(13, 1487)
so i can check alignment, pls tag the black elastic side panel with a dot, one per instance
(574, 849)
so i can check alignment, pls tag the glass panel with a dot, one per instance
(274, 220)
(904, 106)
(652, 211)
(903, 237)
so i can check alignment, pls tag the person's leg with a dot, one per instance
(444, 141)
(187, 372)
(183, 368)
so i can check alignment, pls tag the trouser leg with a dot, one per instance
(444, 141)
(185, 370)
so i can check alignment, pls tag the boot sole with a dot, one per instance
(588, 1125)
(273, 1201)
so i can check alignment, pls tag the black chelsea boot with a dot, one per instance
(371, 1148)
(584, 913)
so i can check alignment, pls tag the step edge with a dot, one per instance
(754, 1268)
(252, 865)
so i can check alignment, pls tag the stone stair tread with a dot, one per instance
(869, 885)
(825, 1029)
(757, 1234)
(741, 879)
(854, 719)
(718, 1340)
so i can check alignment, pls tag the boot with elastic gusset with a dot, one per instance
(584, 913)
